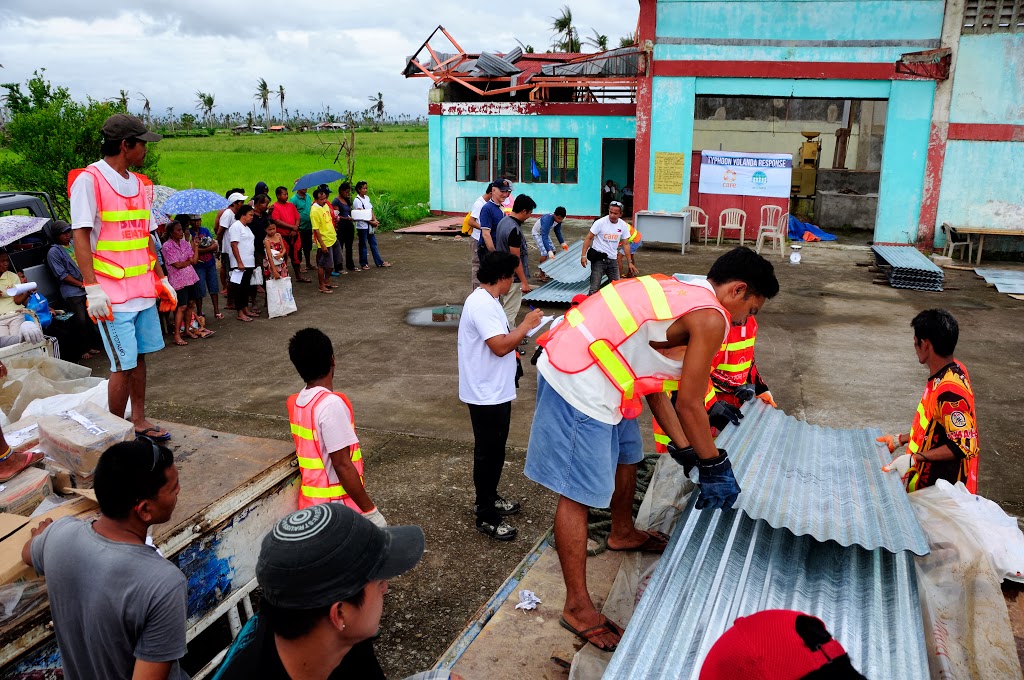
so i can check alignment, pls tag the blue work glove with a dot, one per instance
(744, 392)
(686, 457)
(721, 414)
(718, 487)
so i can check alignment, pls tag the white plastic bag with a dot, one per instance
(967, 627)
(64, 402)
(280, 301)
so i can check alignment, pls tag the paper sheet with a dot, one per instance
(544, 321)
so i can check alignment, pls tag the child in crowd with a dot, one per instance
(275, 263)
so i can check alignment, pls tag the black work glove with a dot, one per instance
(744, 392)
(718, 487)
(721, 414)
(686, 457)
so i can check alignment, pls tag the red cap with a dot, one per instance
(771, 645)
(578, 299)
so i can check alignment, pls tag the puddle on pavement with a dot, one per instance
(445, 316)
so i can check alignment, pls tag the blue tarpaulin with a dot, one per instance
(797, 229)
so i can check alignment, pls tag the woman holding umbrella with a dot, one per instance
(242, 254)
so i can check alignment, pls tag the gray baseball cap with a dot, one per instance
(328, 552)
(122, 126)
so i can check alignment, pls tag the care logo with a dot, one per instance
(729, 179)
(760, 180)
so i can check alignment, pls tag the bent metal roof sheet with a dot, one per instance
(824, 482)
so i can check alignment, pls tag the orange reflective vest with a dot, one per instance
(123, 261)
(317, 486)
(634, 235)
(593, 332)
(956, 418)
(661, 439)
(732, 363)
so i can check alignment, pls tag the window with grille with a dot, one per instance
(993, 16)
(473, 159)
(506, 158)
(535, 160)
(564, 160)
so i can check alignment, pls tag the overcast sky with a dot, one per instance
(323, 53)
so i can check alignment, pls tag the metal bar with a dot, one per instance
(229, 604)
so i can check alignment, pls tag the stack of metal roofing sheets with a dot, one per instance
(570, 279)
(820, 481)
(907, 267)
(821, 530)
(1010, 281)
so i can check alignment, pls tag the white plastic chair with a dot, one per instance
(769, 217)
(777, 232)
(698, 220)
(732, 218)
(952, 244)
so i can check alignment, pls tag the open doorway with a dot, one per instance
(836, 172)
(617, 161)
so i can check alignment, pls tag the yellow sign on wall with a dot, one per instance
(668, 172)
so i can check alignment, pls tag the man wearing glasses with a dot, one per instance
(601, 247)
(118, 606)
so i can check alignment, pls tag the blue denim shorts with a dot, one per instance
(208, 283)
(575, 455)
(129, 335)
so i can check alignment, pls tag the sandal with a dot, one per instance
(655, 543)
(180, 343)
(192, 333)
(588, 634)
(326, 290)
(206, 332)
(218, 315)
(246, 319)
(384, 264)
(365, 266)
(155, 437)
(302, 280)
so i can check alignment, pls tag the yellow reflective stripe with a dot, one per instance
(574, 317)
(101, 267)
(357, 455)
(317, 492)
(137, 270)
(121, 246)
(734, 368)
(618, 309)
(310, 463)
(670, 386)
(922, 421)
(709, 397)
(618, 371)
(303, 432)
(659, 303)
(913, 446)
(662, 439)
(742, 344)
(124, 215)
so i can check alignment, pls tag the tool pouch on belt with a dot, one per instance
(596, 255)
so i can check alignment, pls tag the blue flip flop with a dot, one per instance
(157, 438)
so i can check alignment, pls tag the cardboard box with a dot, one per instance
(12, 569)
(21, 495)
(76, 438)
(22, 435)
(10, 523)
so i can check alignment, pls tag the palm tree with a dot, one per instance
(262, 96)
(627, 40)
(201, 102)
(208, 106)
(378, 105)
(122, 99)
(280, 99)
(567, 39)
(527, 49)
(145, 108)
(598, 41)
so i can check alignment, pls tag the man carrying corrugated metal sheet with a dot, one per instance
(622, 343)
(943, 438)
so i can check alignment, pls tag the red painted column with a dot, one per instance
(932, 185)
(642, 165)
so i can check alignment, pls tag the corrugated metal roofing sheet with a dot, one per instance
(907, 267)
(907, 257)
(558, 292)
(565, 267)
(722, 565)
(820, 481)
(1010, 281)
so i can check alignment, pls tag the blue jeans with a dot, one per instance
(366, 237)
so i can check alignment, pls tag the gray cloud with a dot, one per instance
(323, 57)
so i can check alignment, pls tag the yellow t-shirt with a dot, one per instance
(320, 218)
(8, 280)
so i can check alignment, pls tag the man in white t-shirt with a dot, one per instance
(312, 354)
(601, 247)
(123, 300)
(487, 373)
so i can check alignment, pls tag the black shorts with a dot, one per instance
(186, 295)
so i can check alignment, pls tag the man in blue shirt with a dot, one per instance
(303, 203)
(61, 262)
(491, 214)
(542, 233)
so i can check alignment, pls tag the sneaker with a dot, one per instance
(504, 507)
(503, 531)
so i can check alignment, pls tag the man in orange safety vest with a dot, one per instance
(323, 429)
(622, 343)
(111, 215)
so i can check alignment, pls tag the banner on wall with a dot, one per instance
(737, 173)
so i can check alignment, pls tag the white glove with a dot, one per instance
(377, 518)
(98, 303)
(899, 464)
(31, 332)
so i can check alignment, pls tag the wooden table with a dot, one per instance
(981, 232)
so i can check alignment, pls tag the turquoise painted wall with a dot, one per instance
(583, 198)
(982, 187)
(988, 86)
(672, 131)
(857, 30)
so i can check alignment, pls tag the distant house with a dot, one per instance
(330, 126)
(279, 128)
